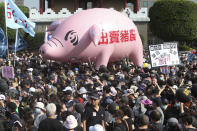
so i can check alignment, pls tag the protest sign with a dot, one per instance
(164, 54)
(8, 72)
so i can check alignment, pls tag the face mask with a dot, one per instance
(36, 112)
(84, 96)
(177, 104)
(161, 78)
(164, 107)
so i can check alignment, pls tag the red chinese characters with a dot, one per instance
(132, 35)
(117, 36)
(17, 18)
(124, 36)
(9, 14)
(104, 38)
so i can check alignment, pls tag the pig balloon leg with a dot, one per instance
(103, 59)
(136, 59)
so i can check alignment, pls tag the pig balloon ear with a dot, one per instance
(95, 33)
(55, 24)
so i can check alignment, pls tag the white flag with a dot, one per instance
(16, 19)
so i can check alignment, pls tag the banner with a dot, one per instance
(7, 72)
(164, 54)
(3, 44)
(20, 43)
(16, 19)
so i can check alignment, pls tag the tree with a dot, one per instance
(174, 20)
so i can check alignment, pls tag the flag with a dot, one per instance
(190, 57)
(20, 43)
(16, 19)
(48, 36)
(3, 43)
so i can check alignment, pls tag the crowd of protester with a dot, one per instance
(49, 96)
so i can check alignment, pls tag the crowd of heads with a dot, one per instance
(132, 98)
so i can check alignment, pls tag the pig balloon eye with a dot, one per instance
(72, 37)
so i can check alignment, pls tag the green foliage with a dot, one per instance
(11, 32)
(184, 48)
(35, 42)
(174, 20)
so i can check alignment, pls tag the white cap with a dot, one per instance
(2, 97)
(82, 90)
(96, 127)
(40, 105)
(68, 88)
(32, 89)
(71, 122)
(30, 69)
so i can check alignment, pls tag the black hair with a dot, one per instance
(119, 114)
(142, 120)
(155, 115)
(106, 89)
(127, 111)
(187, 118)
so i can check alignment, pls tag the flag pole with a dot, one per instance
(6, 32)
(16, 41)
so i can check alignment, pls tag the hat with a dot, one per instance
(94, 96)
(70, 122)
(134, 88)
(40, 105)
(82, 90)
(12, 105)
(32, 89)
(183, 95)
(113, 107)
(113, 91)
(30, 69)
(194, 90)
(2, 97)
(96, 127)
(146, 102)
(174, 87)
(67, 88)
(172, 121)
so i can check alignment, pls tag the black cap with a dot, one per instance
(94, 96)
(194, 90)
(113, 107)
(183, 95)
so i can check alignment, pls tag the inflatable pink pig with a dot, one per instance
(99, 35)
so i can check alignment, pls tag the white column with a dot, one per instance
(46, 4)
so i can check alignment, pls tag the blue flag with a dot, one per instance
(21, 44)
(3, 44)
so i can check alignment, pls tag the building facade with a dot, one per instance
(72, 5)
